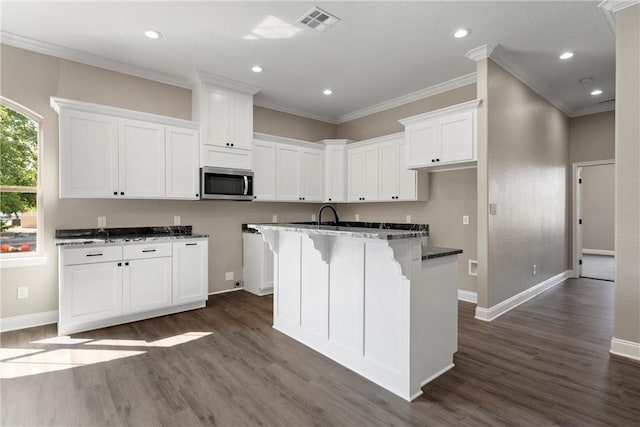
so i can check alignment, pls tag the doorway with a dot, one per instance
(593, 243)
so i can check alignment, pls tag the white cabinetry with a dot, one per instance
(442, 137)
(362, 166)
(288, 173)
(311, 174)
(257, 264)
(190, 271)
(108, 152)
(335, 170)
(264, 170)
(225, 111)
(107, 285)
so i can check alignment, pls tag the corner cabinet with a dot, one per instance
(335, 170)
(112, 153)
(224, 109)
(102, 286)
(445, 137)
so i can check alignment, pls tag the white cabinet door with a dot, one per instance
(146, 284)
(88, 155)
(241, 124)
(311, 172)
(264, 170)
(334, 172)
(423, 143)
(389, 173)
(190, 271)
(371, 166)
(288, 173)
(216, 117)
(182, 157)
(141, 159)
(91, 292)
(355, 181)
(456, 138)
(257, 264)
(407, 178)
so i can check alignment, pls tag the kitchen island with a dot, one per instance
(367, 297)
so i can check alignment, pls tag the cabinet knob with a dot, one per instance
(433, 160)
(119, 264)
(232, 144)
(437, 160)
(329, 199)
(126, 263)
(115, 193)
(197, 195)
(122, 193)
(227, 144)
(255, 197)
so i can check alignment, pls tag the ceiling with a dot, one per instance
(378, 51)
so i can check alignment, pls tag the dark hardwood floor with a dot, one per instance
(545, 363)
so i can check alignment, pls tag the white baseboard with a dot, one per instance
(467, 296)
(28, 321)
(598, 252)
(625, 348)
(225, 291)
(489, 314)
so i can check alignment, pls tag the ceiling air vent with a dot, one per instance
(607, 101)
(317, 19)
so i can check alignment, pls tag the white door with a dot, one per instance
(216, 117)
(311, 173)
(288, 173)
(388, 174)
(182, 147)
(190, 271)
(264, 170)
(355, 171)
(141, 159)
(456, 134)
(147, 284)
(88, 155)
(241, 130)
(334, 173)
(91, 292)
(423, 144)
(371, 172)
(407, 178)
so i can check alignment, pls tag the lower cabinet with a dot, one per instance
(257, 265)
(107, 285)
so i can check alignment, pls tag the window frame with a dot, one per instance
(39, 257)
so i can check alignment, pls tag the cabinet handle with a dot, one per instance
(227, 144)
(232, 144)
(329, 199)
(98, 254)
(115, 193)
(437, 160)
(126, 263)
(190, 244)
(122, 193)
(119, 264)
(148, 250)
(433, 160)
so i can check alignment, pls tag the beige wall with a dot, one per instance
(30, 79)
(627, 289)
(452, 194)
(592, 137)
(274, 122)
(527, 177)
(598, 207)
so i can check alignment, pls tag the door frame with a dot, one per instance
(576, 241)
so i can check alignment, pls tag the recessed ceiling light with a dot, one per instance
(461, 33)
(566, 55)
(153, 34)
(327, 91)
(256, 69)
(596, 92)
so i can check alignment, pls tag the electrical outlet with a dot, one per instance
(313, 217)
(465, 219)
(535, 268)
(228, 275)
(274, 218)
(493, 209)
(23, 292)
(408, 218)
(102, 221)
(176, 220)
(357, 217)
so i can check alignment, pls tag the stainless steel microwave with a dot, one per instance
(225, 184)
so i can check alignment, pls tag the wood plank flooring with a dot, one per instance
(545, 363)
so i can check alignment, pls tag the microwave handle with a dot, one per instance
(246, 185)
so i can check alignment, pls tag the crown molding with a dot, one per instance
(45, 48)
(480, 52)
(600, 108)
(461, 81)
(503, 58)
(198, 76)
(616, 6)
(295, 112)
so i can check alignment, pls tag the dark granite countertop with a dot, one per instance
(95, 236)
(366, 230)
(430, 252)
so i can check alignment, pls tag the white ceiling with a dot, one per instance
(377, 52)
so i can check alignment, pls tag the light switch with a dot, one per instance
(493, 209)
(465, 220)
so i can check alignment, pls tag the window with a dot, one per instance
(20, 219)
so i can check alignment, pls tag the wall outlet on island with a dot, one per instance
(102, 221)
(23, 292)
(176, 220)
(228, 275)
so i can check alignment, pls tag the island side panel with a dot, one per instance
(314, 298)
(288, 286)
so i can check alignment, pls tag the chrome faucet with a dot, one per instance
(335, 214)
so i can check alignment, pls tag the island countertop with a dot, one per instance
(363, 230)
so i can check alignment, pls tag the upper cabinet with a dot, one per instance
(224, 109)
(335, 170)
(445, 137)
(108, 152)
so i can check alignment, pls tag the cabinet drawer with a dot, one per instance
(226, 157)
(146, 250)
(92, 254)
